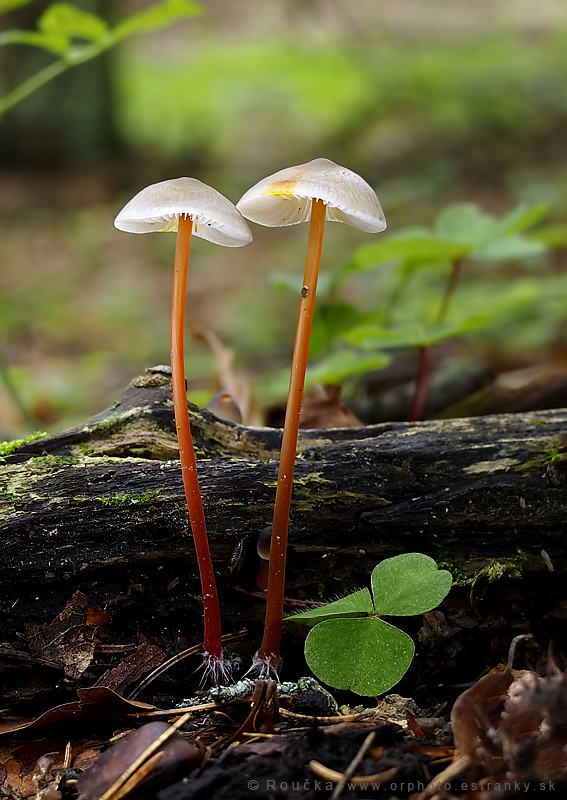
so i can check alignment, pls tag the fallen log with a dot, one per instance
(109, 493)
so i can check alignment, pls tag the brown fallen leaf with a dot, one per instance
(228, 380)
(70, 640)
(534, 727)
(323, 408)
(145, 659)
(512, 725)
(471, 713)
(96, 704)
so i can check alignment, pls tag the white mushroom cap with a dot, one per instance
(159, 206)
(285, 197)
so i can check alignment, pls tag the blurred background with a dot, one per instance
(431, 102)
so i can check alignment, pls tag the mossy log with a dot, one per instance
(109, 493)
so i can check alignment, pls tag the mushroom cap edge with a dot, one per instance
(284, 198)
(159, 206)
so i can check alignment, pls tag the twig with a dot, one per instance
(333, 776)
(446, 776)
(352, 767)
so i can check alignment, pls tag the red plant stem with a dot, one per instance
(422, 382)
(270, 649)
(212, 622)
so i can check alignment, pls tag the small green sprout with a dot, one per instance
(553, 454)
(351, 647)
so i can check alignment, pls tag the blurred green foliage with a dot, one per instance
(74, 36)
(425, 120)
(413, 312)
(248, 103)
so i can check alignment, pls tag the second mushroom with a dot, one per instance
(188, 207)
(317, 191)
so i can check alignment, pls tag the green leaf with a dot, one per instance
(371, 337)
(510, 248)
(157, 16)
(489, 237)
(408, 584)
(521, 218)
(330, 321)
(465, 223)
(342, 364)
(367, 656)
(64, 19)
(52, 42)
(416, 245)
(10, 5)
(353, 605)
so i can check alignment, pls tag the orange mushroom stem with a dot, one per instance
(268, 654)
(212, 643)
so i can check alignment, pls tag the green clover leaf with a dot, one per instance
(367, 656)
(408, 584)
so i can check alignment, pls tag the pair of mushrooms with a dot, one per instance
(317, 191)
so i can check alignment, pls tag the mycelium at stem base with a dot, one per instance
(212, 646)
(268, 656)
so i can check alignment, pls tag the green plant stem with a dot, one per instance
(268, 654)
(33, 83)
(423, 377)
(212, 622)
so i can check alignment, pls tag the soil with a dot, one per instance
(456, 645)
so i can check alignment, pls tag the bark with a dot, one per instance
(109, 494)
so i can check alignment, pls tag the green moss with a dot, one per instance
(51, 463)
(555, 454)
(128, 499)
(306, 480)
(460, 577)
(495, 570)
(481, 578)
(507, 567)
(6, 448)
(311, 478)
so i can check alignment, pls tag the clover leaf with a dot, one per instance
(352, 605)
(408, 584)
(350, 647)
(367, 656)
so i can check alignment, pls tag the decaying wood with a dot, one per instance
(109, 493)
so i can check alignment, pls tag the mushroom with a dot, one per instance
(187, 206)
(315, 191)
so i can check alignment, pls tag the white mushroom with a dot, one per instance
(187, 206)
(285, 197)
(316, 191)
(158, 208)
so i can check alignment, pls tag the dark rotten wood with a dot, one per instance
(109, 493)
